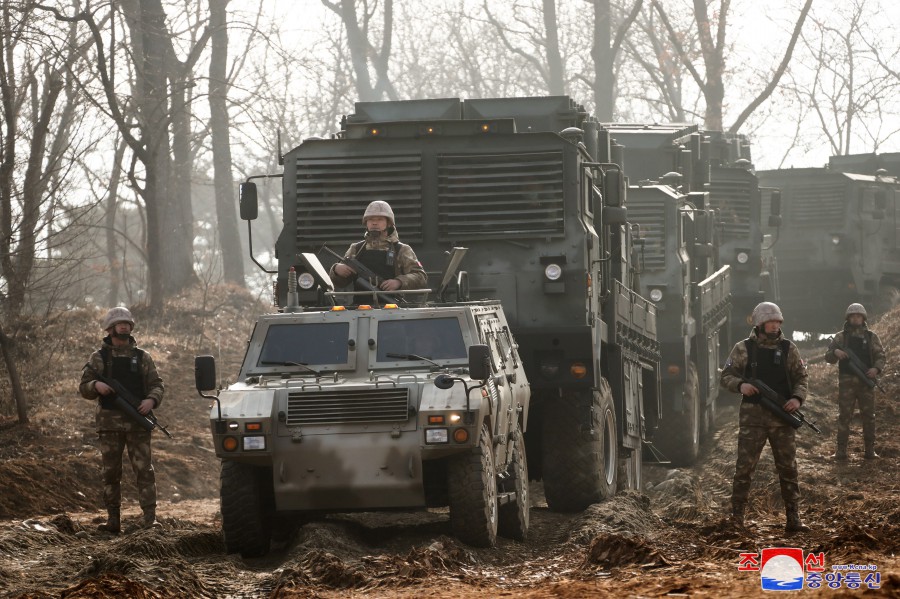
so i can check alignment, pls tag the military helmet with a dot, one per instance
(115, 316)
(856, 309)
(766, 311)
(379, 208)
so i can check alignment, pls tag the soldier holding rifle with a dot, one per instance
(860, 358)
(132, 368)
(766, 356)
(394, 263)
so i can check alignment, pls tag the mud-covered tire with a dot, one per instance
(472, 490)
(679, 433)
(248, 508)
(515, 516)
(580, 462)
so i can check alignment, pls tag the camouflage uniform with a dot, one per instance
(757, 425)
(868, 348)
(117, 431)
(389, 259)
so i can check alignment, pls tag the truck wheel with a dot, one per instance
(472, 481)
(248, 507)
(514, 516)
(679, 432)
(581, 451)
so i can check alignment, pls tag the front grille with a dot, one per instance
(500, 196)
(817, 205)
(332, 194)
(650, 215)
(729, 193)
(343, 406)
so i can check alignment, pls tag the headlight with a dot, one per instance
(553, 272)
(306, 281)
(436, 435)
(254, 443)
(656, 295)
(743, 257)
(836, 239)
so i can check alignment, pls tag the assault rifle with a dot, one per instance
(772, 401)
(857, 366)
(365, 276)
(127, 403)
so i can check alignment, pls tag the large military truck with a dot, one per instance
(840, 243)
(371, 408)
(518, 182)
(680, 274)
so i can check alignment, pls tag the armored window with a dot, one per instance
(433, 338)
(307, 343)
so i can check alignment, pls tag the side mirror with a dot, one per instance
(775, 205)
(614, 188)
(248, 202)
(614, 216)
(205, 373)
(880, 200)
(479, 358)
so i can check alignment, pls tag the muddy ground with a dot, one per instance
(670, 540)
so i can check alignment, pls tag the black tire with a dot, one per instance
(472, 486)
(515, 516)
(580, 461)
(248, 508)
(679, 432)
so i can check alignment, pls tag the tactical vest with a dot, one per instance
(861, 347)
(770, 365)
(381, 262)
(127, 370)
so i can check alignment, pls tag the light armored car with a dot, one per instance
(367, 408)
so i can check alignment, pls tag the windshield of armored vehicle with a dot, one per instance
(308, 343)
(433, 338)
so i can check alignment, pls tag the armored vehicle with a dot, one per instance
(363, 408)
(680, 274)
(518, 182)
(841, 243)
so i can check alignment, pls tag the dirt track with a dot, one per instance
(671, 540)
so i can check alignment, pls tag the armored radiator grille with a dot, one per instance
(348, 406)
(817, 205)
(498, 196)
(332, 194)
(731, 197)
(650, 216)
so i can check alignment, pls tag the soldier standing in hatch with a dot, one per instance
(866, 345)
(766, 355)
(395, 263)
(119, 358)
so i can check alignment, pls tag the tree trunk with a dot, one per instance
(601, 53)
(112, 251)
(555, 74)
(359, 51)
(6, 346)
(220, 128)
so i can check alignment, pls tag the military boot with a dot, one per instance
(840, 455)
(113, 521)
(149, 520)
(737, 516)
(870, 453)
(793, 523)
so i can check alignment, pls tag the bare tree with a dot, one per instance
(604, 52)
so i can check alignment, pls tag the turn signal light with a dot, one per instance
(338, 308)
(229, 443)
(390, 306)
(674, 369)
(460, 435)
(364, 307)
(435, 420)
(578, 370)
(253, 426)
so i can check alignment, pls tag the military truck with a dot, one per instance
(354, 408)
(680, 275)
(517, 182)
(840, 244)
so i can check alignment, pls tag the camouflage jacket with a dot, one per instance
(841, 338)
(407, 268)
(735, 366)
(153, 385)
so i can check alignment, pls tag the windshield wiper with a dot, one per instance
(289, 363)
(413, 357)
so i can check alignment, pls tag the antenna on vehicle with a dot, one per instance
(280, 155)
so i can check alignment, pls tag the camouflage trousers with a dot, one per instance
(855, 392)
(758, 425)
(112, 446)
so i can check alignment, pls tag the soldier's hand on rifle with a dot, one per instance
(872, 373)
(390, 285)
(792, 405)
(102, 388)
(748, 389)
(841, 354)
(146, 406)
(342, 270)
